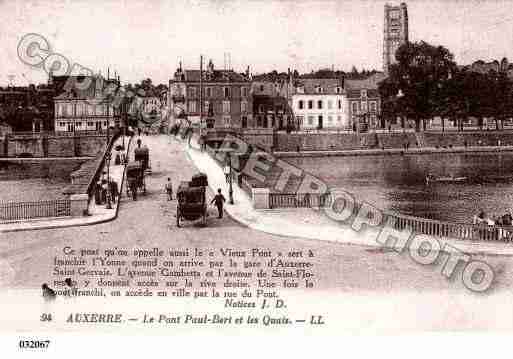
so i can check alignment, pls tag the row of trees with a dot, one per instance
(354, 74)
(426, 83)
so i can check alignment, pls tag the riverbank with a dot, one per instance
(97, 213)
(396, 151)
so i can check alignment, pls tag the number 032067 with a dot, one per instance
(33, 344)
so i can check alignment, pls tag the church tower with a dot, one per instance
(395, 32)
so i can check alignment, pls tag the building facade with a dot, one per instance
(225, 100)
(319, 104)
(364, 103)
(271, 108)
(395, 32)
(86, 108)
(27, 108)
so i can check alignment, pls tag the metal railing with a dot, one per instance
(299, 200)
(17, 211)
(435, 228)
(464, 231)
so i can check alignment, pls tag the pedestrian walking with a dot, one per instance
(169, 189)
(98, 193)
(226, 170)
(114, 191)
(104, 191)
(219, 201)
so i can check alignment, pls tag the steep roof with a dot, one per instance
(217, 76)
(79, 87)
(265, 88)
(328, 85)
(370, 83)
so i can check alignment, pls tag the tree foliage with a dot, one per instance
(425, 82)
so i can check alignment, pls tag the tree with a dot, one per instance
(420, 74)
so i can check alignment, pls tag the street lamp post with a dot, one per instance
(230, 191)
(107, 157)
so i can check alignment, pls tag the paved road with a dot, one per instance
(26, 258)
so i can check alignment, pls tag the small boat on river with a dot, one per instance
(446, 179)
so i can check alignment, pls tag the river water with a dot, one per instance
(397, 182)
(35, 180)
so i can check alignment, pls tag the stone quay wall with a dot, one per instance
(52, 145)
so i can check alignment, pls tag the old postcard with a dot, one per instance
(303, 168)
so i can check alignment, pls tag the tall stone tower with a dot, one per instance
(395, 32)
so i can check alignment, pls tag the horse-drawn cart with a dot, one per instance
(135, 179)
(142, 155)
(192, 202)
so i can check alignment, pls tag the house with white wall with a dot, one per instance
(320, 104)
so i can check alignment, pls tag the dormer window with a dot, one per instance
(363, 93)
(318, 89)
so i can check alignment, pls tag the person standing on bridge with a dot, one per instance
(219, 201)
(169, 189)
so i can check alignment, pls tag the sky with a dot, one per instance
(147, 38)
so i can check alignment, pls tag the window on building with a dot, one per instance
(244, 92)
(363, 93)
(226, 106)
(330, 119)
(355, 107)
(261, 88)
(208, 92)
(244, 122)
(339, 104)
(192, 106)
(300, 120)
(310, 120)
(261, 108)
(104, 123)
(243, 106)
(319, 104)
(330, 104)
(373, 106)
(206, 107)
(301, 104)
(338, 89)
(226, 92)
(260, 121)
(191, 92)
(227, 121)
(364, 106)
(310, 104)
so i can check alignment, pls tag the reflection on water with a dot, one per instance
(397, 183)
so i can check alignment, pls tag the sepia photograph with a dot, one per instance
(255, 168)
